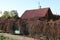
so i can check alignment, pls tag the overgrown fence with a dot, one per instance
(47, 30)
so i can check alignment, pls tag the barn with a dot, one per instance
(42, 14)
(39, 14)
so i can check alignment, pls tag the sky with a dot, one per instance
(22, 5)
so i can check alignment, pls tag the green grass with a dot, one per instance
(5, 38)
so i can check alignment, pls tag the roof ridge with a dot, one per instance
(38, 9)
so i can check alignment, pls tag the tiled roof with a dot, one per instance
(35, 13)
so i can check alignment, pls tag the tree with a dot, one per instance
(5, 14)
(0, 13)
(13, 14)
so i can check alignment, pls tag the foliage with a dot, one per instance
(14, 14)
(5, 14)
(11, 14)
(5, 38)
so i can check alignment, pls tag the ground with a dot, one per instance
(16, 37)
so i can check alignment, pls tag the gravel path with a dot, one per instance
(17, 37)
